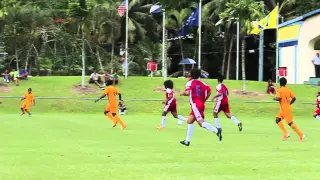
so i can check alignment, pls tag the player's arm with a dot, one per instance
(277, 96)
(101, 97)
(293, 100)
(185, 93)
(34, 102)
(208, 95)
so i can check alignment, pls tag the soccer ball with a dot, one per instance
(179, 122)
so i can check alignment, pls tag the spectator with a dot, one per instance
(106, 77)
(15, 76)
(316, 62)
(23, 74)
(271, 89)
(122, 108)
(6, 76)
(95, 78)
(115, 78)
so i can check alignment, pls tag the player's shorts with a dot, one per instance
(26, 105)
(112, 109)
(221, 107)
(287, 116)
(172, 107)
(317, 111)
(197, 110)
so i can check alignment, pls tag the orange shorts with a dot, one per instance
(112, 109)
(287, 116)
(26, 105)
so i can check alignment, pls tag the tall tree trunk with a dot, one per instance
(27, 58)
(182, 54)
(112, 55)
(99, 60)
(17, 58)
(36, 60)
(83, 62)
(243, 63)
(229, 58)
(196, 49)
(225, 49)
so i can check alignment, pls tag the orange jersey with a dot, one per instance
(285, 95)
(112, 92)
(28, 98)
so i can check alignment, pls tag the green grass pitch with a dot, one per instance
(72, 139)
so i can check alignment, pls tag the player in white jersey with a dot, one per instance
(222, 104)
(170, 105)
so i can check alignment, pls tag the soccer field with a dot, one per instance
(82, 146)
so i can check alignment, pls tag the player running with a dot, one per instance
(316, 114)
(286, 98)
(223, 105)
(28, 100)
(170, 105)
(111, 109)
(198, 93)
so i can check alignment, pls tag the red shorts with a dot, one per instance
(221, 107)
(270, 90)
(197, 110)
(172, 107)
(317, 111)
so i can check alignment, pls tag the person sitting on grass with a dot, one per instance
(107, 77)
(15, 76)
(115, 78)
(6, 76)
(23, 74)
(95, 78)
(122, 108)
(271, 89)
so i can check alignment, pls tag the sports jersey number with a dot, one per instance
(198, 90)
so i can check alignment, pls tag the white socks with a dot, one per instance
(318, 117)
(163, 121)
(209, 127)
(217, 121)
(189, 132)
(235, 120)
(182, 118)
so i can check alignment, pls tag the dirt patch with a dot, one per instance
(158, 89)
(249, 94)
(78, 89)
(5, 88)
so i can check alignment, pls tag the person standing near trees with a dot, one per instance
(316, 62)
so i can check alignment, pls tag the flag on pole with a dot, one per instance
(269, 22)
(193, 20)
(156, 8)
(122, 8)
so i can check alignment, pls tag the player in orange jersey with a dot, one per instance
(286, 98)
(28, 100)
(111, 109)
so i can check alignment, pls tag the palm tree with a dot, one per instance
(244, 11)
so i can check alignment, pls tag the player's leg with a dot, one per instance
(179, 117)
(163, 120)
(109, 115)
(233, 118)
(22, 109)
(316, 114)
(118, 120)
(294, 126)
(216, 111)
(286, 135)
(190, 129)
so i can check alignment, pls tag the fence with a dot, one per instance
(152, 106)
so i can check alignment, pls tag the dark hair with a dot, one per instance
(220, 78)
(168, 84)
(195, 73)
(109, 82)
(318, 92)
(283, 81)
(29, 89)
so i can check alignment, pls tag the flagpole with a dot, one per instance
(127, 36)
(238, 48)
(277, 46)
(200, 24)
(164, 63)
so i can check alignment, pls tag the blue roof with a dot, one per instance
(300, 18)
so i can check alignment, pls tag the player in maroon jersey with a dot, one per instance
(198, 93)
(170, 105)
(316, 114)
(223, 105)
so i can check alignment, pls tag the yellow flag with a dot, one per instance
(268, 22)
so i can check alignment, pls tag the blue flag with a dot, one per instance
(193, 20)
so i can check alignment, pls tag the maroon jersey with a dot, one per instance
(170, 96)
(222, 89)
(198, 91)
